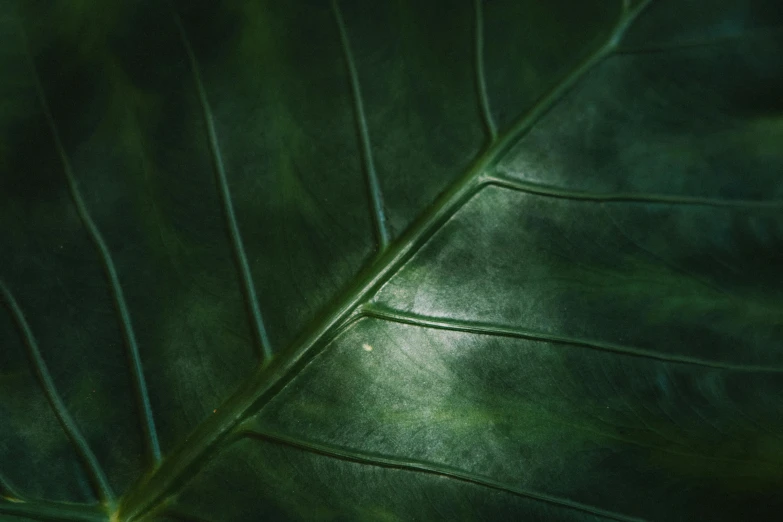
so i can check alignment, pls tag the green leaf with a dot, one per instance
(341, 260)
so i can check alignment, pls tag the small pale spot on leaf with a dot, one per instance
(367, 347)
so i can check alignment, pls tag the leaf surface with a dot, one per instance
(348, 260)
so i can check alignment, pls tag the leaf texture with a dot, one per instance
(338, 260)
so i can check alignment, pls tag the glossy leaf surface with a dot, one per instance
(391, 260)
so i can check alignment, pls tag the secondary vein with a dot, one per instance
(54, 511)
(499, 330)
(137, 370)
(388, 461)
(7, 491)
(376, 194)
(629, 197)
(481, 79)
(99, 480)
(259, 328)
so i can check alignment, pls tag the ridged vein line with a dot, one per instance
(103, 489)
(376, 194)
(630, 197)
(137, 370)
(53, 511)
(387, 461)
(497, 330)
(481, 78)
(259, 328)
(7, 491)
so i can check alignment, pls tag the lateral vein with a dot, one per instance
(388, 461)
(100, 482)
(481, 79)
(376, 194)
(137, 370)
(628, 197)
(259, 328)
(54, 511)
(497, 330)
